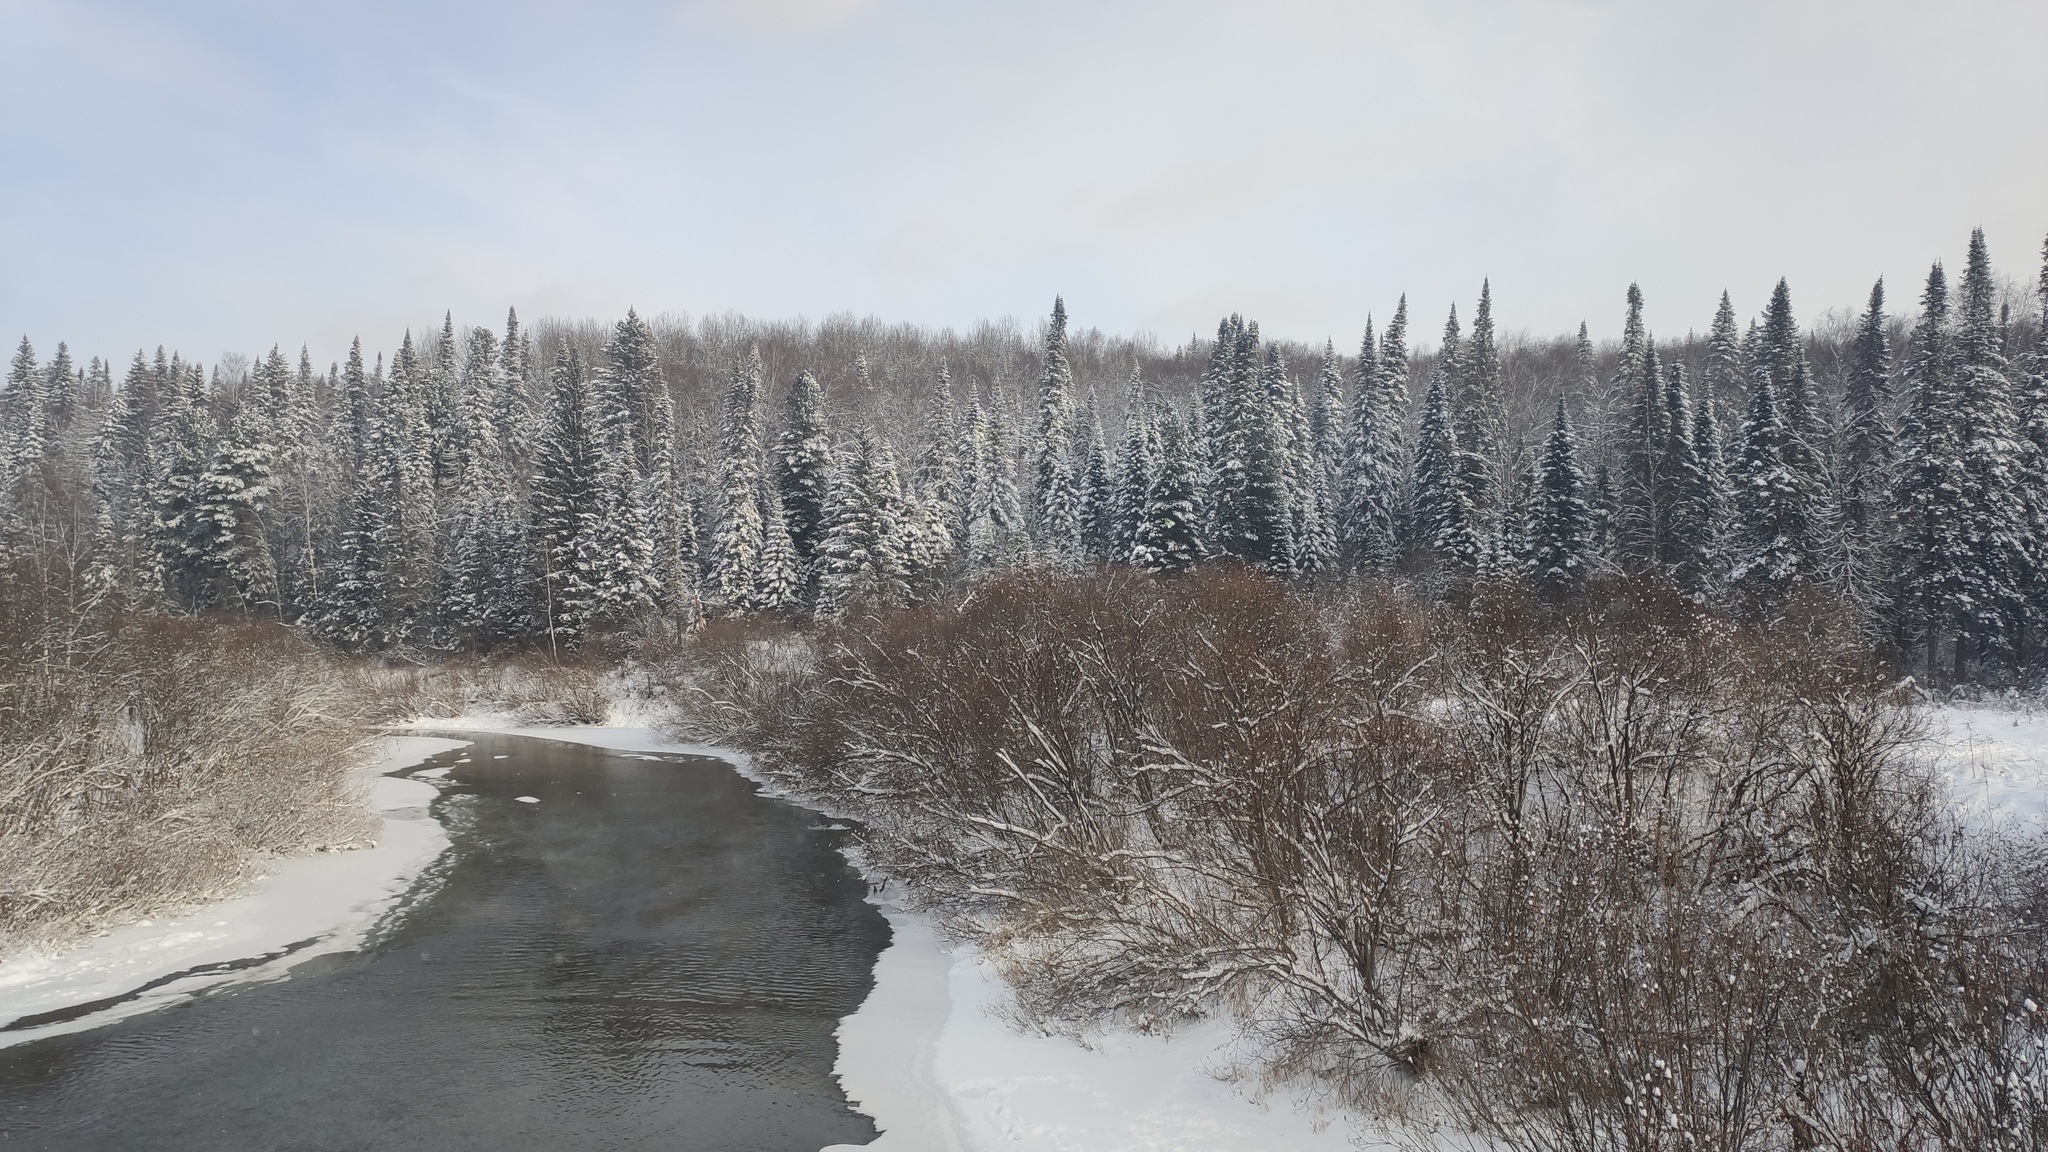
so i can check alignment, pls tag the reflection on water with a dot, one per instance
(652, 956)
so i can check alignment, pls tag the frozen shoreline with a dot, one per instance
(304, 906)
(930, 1057)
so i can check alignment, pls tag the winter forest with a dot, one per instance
(1515, 736)
(482, 490)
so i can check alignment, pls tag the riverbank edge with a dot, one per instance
(887, 1045)
(304, 906)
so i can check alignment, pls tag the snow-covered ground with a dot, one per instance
(1995, 761)
(304, 907)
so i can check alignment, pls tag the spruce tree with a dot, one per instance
(736, 537)
(566, 498)
(1688, 543)
(1988, 437)
(781, 587)
(1864, 504)
(937, 482)
(1640, 509)
(803, 464)
(225, 536)
(1479, 415)
(1766, 556)
(1056, 494)
(24, 413)
(1169, 535)
(2031, 404)
(1560, 523)
(1369, 496)
(1098, 500)
(1723, 375)
(1443, 514)
(1136, 464)
(860, 559)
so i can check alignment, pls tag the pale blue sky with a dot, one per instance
(222, 176)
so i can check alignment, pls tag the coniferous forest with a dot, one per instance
(1516, 734)
(488, 488)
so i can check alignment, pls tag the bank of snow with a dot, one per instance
(931, 1058)
(305, 906)
(1995, 763)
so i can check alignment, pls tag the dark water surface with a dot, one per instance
(651, 957)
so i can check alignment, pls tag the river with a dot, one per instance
(651, 956)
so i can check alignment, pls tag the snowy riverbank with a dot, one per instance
(303, 907)
(931, 1057)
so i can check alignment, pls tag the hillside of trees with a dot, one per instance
(533, 486)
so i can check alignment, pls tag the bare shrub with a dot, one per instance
(156, 773)
(1617, 874)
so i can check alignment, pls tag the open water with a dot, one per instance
(652, 957)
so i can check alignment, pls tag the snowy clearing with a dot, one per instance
(305, 906)
(1995, 761)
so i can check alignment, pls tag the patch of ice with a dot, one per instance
(527, 799)
(431, 773)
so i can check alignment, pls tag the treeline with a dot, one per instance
(483, 490)
(1612, 873)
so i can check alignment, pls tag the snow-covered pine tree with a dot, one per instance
(1443, 515)
(61, 388)
(1169, 535)
(781, 586)
(1766, 557)
(24, 413)
(1714, 495)
(1639, 508)
(1723, 375)
(1560, 524)
(1056, 494)
(2031, 403)
(1136, 463)
(1008, 537)
(1212, 422)
(1783, 356)
(803, 464)
(181, 445)
(565, 497)
(1479, 413)
(937, 484)
(1862, 559)
(1687, 554)
(358, 407)
(439, 387)
(1098, 500)
(1779, 351)
(1257, 515)
(225, 539)
(1326, 417)
(736, 535)
(1989, 439)
(1369, 496)
(860, 559)
(514, 408)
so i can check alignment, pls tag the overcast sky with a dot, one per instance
(222, 176)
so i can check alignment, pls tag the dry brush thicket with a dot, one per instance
(1618, 875)
(149, 763)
